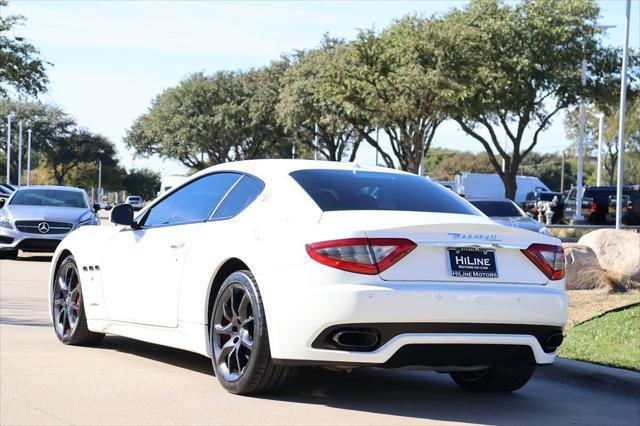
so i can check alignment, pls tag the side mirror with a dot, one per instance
(122, 214)
(2, 201)
(96, 206)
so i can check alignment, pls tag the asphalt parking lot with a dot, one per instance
(129, 382)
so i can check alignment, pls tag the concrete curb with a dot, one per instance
(591, 374)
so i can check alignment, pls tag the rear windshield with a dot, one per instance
(497, 208)
(49, 198)
(335, 190)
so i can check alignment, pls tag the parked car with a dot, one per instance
(597, 200)
(5, 192)
(506, 212)
(136, 202)
(570, 202)
(532, 199)
(483, 185)
(267, 265)
(630, 206)
(37, 218)
(104, 205)
(8, 187)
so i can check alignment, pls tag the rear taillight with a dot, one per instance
(594, 207)
(361, 255)
(548, 258)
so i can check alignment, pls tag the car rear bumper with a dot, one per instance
(12, 239)
(426, 316)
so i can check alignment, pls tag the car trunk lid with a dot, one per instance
(473, 242)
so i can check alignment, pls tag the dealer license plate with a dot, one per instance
(472, 263)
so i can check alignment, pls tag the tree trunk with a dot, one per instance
(510, 185)
(612, 169)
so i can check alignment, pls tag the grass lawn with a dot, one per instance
(586, 304)
(613, 339)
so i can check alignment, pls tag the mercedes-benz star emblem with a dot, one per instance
(43, 227)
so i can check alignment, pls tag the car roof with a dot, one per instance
(271, 167)
(58, 187)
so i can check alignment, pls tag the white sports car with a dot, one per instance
(267, 265)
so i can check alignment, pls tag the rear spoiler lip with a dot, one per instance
(479, 245)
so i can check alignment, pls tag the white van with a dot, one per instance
(484, 185)
(169, 182)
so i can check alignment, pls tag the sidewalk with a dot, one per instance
(589, 374)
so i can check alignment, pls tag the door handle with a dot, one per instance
(177, 245)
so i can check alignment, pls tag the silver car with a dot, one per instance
(136, 202)
(37, 218)
(506, 212)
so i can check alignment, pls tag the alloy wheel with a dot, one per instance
(233, 331)
(66, 301)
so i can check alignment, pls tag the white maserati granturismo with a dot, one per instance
(268, 265)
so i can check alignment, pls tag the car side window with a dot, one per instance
(243, 194)
(193, 202)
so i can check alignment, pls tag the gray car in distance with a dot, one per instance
(506, 212)
(37, 218)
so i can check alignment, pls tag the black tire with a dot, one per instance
(493, 379)
(8, 254)
(79, 334)
(259, 374)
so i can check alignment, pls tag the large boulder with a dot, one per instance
(618, 251)
(583, 271)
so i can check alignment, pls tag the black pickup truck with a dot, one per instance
(630, 206)
(596, 203)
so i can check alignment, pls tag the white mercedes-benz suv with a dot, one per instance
(267, 265)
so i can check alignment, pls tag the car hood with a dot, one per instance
(61, 214)
(519, 222)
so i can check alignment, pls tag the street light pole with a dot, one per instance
(9, 117)
(583, 79)
(562, 174)
(20, 153)
(600, 133)
(99, 197)
(623, 102)
(316, 143)
(377, 143)
(29, 157)
(578, 216)
(422, 149)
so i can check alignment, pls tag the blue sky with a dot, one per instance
(111, 58)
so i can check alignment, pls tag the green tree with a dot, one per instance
(208, 120)
(20, 67)
(143, 182)
(263, 135)
(455, 162)
(391, 81)
(194, 123)
(67, 152)
(85, 174)
(309, 112)
(517, 65)
(46, 122)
